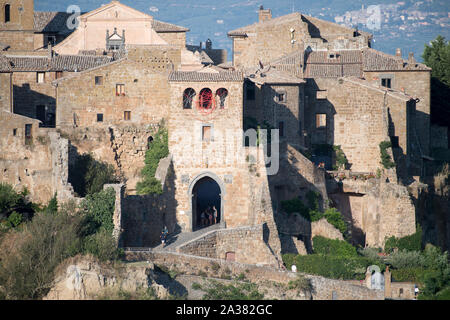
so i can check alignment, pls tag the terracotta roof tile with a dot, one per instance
(57, 63)
(51, 22)
(182, 76)
(374, 60)
(160, 26)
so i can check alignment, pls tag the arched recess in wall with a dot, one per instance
(206, 100)
(221, 95)
(198, 202)
(188, 98)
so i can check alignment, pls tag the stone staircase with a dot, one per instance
(175, 240)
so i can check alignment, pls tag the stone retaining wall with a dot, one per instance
(323, 289)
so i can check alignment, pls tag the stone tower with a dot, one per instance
(17, 25)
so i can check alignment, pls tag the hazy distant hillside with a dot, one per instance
(405, 24)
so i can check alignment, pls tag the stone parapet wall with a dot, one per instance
(323, 288)
(245, 243)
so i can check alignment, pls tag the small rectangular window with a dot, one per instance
(14, 132)
(99, 117)
(321, 120)
(58, 74)
(127, 115)
(28, 134)
(120, 90)
(98, 80)
(206, 133)
(281, 128)
(386, 82)
(40, 77)
(7, 13)
(281, 97)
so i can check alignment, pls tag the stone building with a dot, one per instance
(108, 85)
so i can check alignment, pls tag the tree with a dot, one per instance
(437, 56)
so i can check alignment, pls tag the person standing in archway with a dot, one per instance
(215, 214)
(210, 216)
(203, 219)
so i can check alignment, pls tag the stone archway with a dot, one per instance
(206, 190)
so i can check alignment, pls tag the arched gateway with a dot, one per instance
(206, 191)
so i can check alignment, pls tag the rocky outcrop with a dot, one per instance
(84, 278)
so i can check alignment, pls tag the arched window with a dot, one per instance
(222, 95)
(7, 13)
(206, 100)
(188, 98)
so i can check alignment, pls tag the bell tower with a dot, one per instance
(17, 24)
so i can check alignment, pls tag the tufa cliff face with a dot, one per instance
(84, 278)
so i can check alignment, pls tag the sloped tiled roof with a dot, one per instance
(51, 22)
(57, 63)
(344, 63)
(291, 63)
(160, 26)
(195, 76)
(247, 29)
(374, 60)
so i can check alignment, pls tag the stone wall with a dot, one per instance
(6, 97)
(376, 210)
(417, 84)
(357, 119)
(146, 95)
(123, 146)
(245, 243)
(39, 163)
(174, 38)
(323, 288)
(28, 93)
(18, 33)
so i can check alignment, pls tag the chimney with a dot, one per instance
(264, 15)
(411, 59)
(398, 52)
(208, 44)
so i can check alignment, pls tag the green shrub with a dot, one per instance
(102, 245)
(27, 266)
(295, 206)
(238, 291)
(312, 213)
(334, 217)
(341, 159)
(334, 267)
(88, 176)
(12, 201)
(333, 247)
(413, 274)
(411, 243)
(386, 160)
(98, 211)
(158, 150)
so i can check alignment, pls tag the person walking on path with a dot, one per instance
(164, 234)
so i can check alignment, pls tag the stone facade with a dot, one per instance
(356, 115)
(17, 33)
(375, 210)
(81, 101)
(34, 158)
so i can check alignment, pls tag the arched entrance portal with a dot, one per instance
(206, 194)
